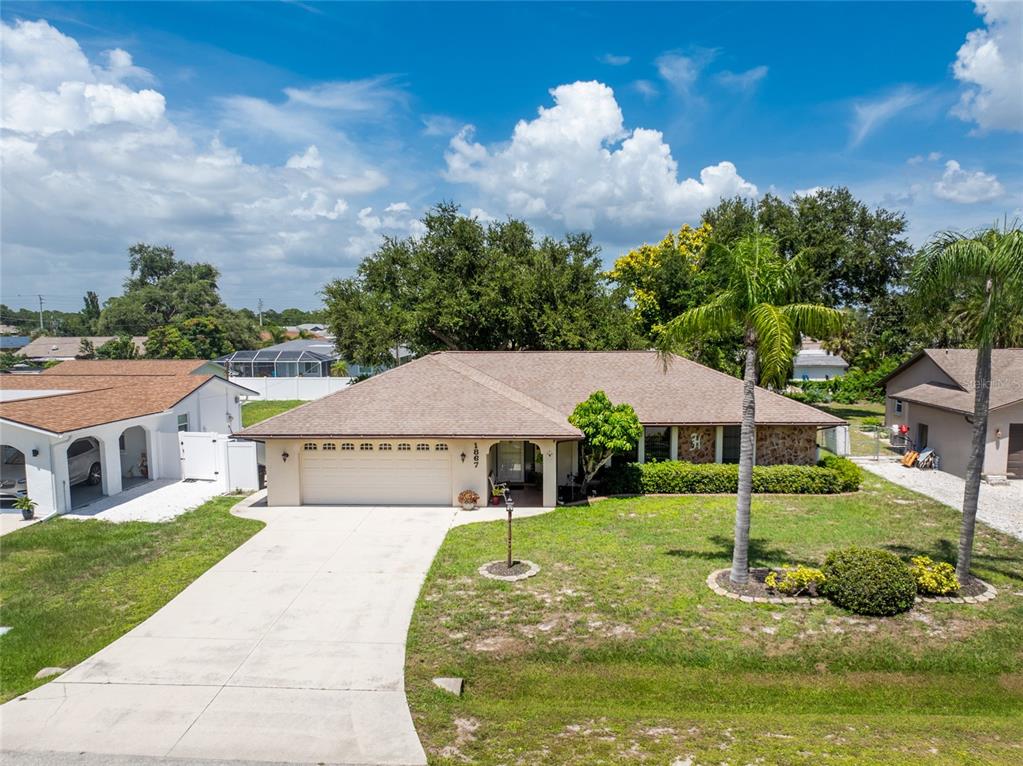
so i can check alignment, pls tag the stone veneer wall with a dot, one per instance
(786, 444)
(704, 453)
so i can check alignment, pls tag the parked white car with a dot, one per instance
(12, 475)
(83, 462)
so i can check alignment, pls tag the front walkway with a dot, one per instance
(157, 500)
(1000, 507)
(290, 649)
(11, 520)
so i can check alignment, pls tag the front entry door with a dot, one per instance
(1015, 462)
(511, 464)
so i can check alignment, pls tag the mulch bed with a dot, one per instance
(971, 587)
(501, 568)
(754, 588)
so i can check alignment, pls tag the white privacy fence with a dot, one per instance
(305, 389)
(217, 457)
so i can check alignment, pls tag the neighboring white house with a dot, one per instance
(133, 409)
(814, 363)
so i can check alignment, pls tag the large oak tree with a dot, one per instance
(466, 285)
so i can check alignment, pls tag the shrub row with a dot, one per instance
(831, 475)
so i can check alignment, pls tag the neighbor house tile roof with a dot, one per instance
(959, 364)
(67, 347)
(529, 394)
(90, 393)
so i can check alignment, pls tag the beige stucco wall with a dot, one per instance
(284, 477)
(996, 455)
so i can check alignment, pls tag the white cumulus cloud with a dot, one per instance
(577, 165)
(966, 187)
(990, 64)
(92, 162)
(37, 98)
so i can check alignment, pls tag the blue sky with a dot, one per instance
(281, 141)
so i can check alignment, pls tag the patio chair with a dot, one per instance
(497, 489)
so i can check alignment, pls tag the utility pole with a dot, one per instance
(260, 309)
(41, 328)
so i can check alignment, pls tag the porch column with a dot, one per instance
(641, 448)
(60, 478)
(719, 443)
(152, 458)
(39, 480)
(110, 462)
(550, 472)
(673, 454)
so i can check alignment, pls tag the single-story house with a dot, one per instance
(49, 348)
(812, 362)
(933, 395)
(424, 431)
(121, 417)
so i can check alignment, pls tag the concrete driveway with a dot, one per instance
(290, 649)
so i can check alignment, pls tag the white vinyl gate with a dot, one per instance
(201, 455)
(334, 476)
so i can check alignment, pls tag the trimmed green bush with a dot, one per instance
(674, 477)
(868, 581)
(850, 475)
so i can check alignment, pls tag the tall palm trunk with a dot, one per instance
(740, 553)
(982, 397)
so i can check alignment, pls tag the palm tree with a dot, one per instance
(754, 301)
(985, 269)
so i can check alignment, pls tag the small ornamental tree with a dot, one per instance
(608, 430)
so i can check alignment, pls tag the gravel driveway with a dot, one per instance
(1000, 507)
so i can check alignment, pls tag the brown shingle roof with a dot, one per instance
(960, 364)
(513, 394)
(65, 347)
(131, 367)
(90, 393)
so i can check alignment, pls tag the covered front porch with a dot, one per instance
(533, 473)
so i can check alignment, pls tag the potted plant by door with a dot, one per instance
(468, 498)
(27, 506)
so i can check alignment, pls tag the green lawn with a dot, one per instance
(69, 588)
(618, 652)
(255, 412)
(860, 443)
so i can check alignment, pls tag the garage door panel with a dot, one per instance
(376, 479)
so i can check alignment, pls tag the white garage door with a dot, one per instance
(378, 473)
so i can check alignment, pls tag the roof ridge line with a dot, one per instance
(934, 358)
(508, 392)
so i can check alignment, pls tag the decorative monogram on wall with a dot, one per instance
(694, 439)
